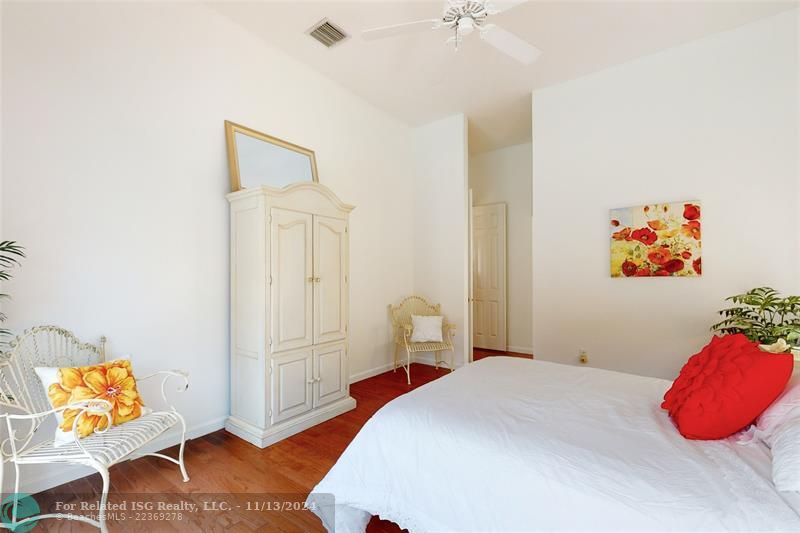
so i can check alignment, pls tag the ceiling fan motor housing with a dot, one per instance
(464, 16)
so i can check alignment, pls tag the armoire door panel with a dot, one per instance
(330, 287)
(291, 262)
(330, 372)
(292, 381)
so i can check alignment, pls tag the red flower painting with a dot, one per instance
(656, 240)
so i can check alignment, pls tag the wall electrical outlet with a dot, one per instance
(583, 357)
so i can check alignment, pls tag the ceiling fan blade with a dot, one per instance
(499, 6)
(401, 29)
(510, 44)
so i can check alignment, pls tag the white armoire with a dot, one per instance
(289, 310)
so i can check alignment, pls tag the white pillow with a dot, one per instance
(779, 428)
(778, 412)
(426, 328)
(785, 444)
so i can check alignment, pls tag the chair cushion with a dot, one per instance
(426, 328)
(725, 387)
(109, 447)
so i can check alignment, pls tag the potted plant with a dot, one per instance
(10, 251)
(763, 316)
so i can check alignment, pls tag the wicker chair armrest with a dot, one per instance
(92, 407)
(449, 330)
(183, 382)
(15, 444)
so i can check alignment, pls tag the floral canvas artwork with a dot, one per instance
(656, 240)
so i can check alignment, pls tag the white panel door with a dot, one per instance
(330, 367)
(330, 275)
(489, 276)
(292, 384)
(291, 279)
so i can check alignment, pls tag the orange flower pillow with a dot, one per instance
(112, 381)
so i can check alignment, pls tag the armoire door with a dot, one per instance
(291, 281)
(330, 368)
(292, 384)
(330, 274)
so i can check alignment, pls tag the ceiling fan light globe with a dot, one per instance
(465, 25)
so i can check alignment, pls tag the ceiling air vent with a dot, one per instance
(327, 33)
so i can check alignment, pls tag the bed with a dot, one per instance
(508, 444)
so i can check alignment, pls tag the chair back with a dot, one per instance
(20, 387)
(413, 305)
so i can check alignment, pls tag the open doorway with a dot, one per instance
(500, 252)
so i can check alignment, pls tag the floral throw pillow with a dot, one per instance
(112, 381)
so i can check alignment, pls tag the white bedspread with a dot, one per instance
(508, 444)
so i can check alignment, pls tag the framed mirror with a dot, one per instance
(257, 159)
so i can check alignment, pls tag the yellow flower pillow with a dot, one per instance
(112, 381)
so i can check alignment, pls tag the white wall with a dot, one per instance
(440, 221)
(115, 172)
(504, 175)
(714, 120)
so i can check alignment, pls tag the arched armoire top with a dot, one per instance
(294, 188)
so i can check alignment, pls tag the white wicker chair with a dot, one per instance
(25, 407)
(403, 329)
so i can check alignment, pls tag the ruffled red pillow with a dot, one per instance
(725, 387)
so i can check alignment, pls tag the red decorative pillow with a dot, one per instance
(725, 387)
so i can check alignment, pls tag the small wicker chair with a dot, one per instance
(24, 406)
(401, 324)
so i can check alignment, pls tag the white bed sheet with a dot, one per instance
(508, 444)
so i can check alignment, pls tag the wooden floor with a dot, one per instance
(480, 353)
(227, 471)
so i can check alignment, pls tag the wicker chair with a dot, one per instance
(25, 407)
(401, 324)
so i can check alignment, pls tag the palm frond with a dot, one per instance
(761, 314)
(10, 252)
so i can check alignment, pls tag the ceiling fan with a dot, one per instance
(462, 17)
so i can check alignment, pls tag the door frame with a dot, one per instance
(472, 278)
(470, 355)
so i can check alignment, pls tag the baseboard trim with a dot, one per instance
(520, 349)
(421, 358)
(366, 374)
(425, 359)
(41, 482)
(265, 437)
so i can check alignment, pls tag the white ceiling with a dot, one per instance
(420, 79)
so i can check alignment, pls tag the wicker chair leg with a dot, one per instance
(408, 366)
(181, 464)
(101, 513)
(396, 355)
(436, 355)
(452, 367)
